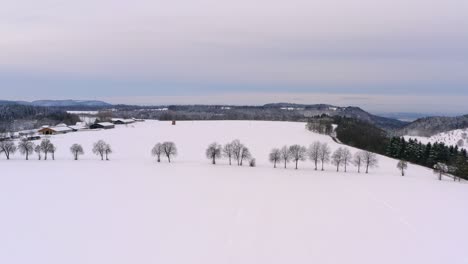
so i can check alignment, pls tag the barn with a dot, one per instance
(102, 125)
(54, 130)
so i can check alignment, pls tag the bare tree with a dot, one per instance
(285, 155)
(314, 152)
(245, 154)
(170, 150)
(324, 154)
(370, 160)
(346, 158)
(108, 150)
(76, 150)
(237, 150)
(275, 156)
(402, 165)
(228, 152)
(298, 153)
(440, 169)
(53, 149)
(26, 147)
(358, 160)
(99, 148)
(337, 158)
(213, 152)
(46, 147)
(8, 147)
(38, 151)
(157, 151)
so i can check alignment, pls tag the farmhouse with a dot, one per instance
(102, 125)
(54, 130)
(119, 121)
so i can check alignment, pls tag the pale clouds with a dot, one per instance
(189, 47)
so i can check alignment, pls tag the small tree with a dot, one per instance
(252, 163)
(357, 160)
(370, 160)
(46, 147)
(324, 154)
(99, 148)
(7, 147)
(26, 147)
(285, 155)
(38, 151)
(402, 166)
(337, 158)
(213, 152)
(108, 150)
(275, 156)
(157, 151)
(346, 158)
(314, 152)
(170, 150)
(245, 154)
(298, 153)
(228, 152)
(76, 150)
(440, 169)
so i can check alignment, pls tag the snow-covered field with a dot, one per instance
(458, 137)
(133, 210)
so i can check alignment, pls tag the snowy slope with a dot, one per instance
(458, 137)
(132, 210)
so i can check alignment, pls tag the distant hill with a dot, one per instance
(429, 126)
(349, 111)
(59, 103)
(65, 103)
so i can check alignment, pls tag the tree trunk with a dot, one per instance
(274, 166)
(169, 158)
(296, 164)
(367, 168)
(159, 159)
(345, 167)
(315, 164)
(214, 160)
(322, 165)
(229, 160)
(53, 155)
(27, 155)
(7, 155)
(45, 155)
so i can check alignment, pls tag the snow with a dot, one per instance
(133, 210)
(458, 137)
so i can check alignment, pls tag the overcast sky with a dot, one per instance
(382, 54)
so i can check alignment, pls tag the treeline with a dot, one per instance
(15, 117)
(429, 154)
(351, 132)
(367, 136)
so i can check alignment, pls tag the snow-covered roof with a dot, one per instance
(61, 129)
(105, 124)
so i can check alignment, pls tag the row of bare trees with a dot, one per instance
(320, 154)
(234, 150)
(167, 149)
(46, 147)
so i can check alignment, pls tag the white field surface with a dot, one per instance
(133, 210)
(457, 137)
